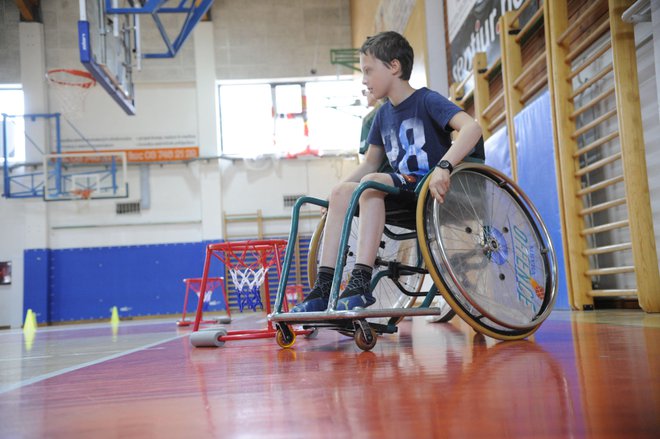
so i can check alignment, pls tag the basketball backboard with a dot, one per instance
(109, 38)
(109, 50)
(83, 176)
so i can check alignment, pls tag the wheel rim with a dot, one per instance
(282, 342)
(484, 235)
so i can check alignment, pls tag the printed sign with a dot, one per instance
(145, 155)
(457, 12)
(480, 32)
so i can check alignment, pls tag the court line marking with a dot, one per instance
(46, 376)
(68, 354)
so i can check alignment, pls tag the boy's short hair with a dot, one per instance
(388, 46)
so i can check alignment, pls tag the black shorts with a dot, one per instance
(404, 181)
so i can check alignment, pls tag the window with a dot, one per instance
(11, 103)
(290, 117)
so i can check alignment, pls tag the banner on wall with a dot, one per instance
(478, 31)
(150, 154)
(457, 12)
(138, 148)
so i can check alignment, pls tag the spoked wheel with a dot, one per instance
(285, 336)
(447, 311)
(489, 253)
(392, 249)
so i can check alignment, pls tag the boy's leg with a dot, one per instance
(334, 221)
(372, 222)
(317, 299)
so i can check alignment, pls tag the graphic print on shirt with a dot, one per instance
(411, 136)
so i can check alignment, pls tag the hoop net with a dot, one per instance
(248, 261)
(71, 87)
(247, 279)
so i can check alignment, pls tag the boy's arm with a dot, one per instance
(372, 160)
(469, 133)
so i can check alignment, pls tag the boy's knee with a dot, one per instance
(342, 191)
(377, 177)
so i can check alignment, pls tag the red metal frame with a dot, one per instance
(269, 252)
(195, 285)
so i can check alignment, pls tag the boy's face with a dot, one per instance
(376, 76)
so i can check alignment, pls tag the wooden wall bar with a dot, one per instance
(634, 160)
(600, 157)
(511, 70)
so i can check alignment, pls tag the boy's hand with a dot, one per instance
(439, 184)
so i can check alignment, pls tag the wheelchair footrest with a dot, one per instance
(325, 316)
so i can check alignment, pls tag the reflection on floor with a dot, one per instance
(594, 374)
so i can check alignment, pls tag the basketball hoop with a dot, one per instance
(71, 88)
(82, 194)
(248, 263)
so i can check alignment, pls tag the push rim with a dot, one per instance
(439, 255)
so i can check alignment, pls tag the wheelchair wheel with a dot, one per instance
(386, 292)
(448, 312)
(488, 252)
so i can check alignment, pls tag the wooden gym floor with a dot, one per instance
(593, 374)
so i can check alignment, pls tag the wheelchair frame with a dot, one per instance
(354, 322)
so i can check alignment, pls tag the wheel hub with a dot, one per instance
(494, 245)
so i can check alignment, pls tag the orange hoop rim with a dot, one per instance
(83, 194)
(90, 81)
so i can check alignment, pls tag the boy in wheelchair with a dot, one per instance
(413, 131)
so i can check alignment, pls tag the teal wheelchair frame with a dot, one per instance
(486, 249)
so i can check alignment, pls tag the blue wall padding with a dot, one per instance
(537, 176)
(85, 283)
(140, 280)
(35, 283)
(498, 154)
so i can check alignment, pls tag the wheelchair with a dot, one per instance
(486, 250)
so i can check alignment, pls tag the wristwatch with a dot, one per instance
(444, 164)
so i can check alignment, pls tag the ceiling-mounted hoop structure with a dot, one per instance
(195, 11)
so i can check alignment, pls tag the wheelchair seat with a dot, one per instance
(400, 210)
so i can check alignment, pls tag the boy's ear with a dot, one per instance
(395, 66)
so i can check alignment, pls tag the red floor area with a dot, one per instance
(575, 379)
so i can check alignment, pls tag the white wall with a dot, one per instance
(16, 226)
(175, 101)
(246, 190)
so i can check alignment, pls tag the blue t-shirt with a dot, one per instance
(416, 133)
